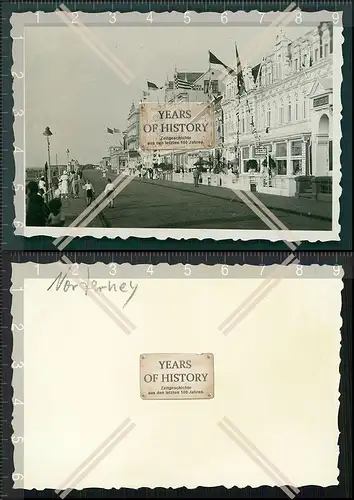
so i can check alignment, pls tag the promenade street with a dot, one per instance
(167, 204)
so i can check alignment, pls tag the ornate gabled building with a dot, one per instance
(286, 110)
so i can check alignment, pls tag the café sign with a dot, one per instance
(177, 376)
(261, 151)
(176, 126)
(320, 101)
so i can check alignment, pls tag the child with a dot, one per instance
(55, 218)
(108, 191)
(88, 187)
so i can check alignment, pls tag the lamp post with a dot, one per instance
(68, 156)
(47, 133)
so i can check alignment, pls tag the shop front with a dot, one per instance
(274, 166)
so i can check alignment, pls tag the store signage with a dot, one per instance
(176, 126)
(262, 151)
(320, 101)
(177, 376)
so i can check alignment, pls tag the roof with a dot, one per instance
(189, 77)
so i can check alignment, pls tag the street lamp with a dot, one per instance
(47, 133)
(68, 156)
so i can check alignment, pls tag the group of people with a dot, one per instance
(68, 184)
(38, 211)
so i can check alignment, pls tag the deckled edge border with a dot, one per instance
(186, 234)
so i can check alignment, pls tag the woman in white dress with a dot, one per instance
(64, 187)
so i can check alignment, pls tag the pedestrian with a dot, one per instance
(104, 174)
(108, 191)
(55, 218)
(196, 176)
(64, 188)
(42, 184)
(36, 209)
(88, 187)
(75, 185)
(57, 192)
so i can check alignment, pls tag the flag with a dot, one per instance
(240, 82)
(116, 130)
(214, 60)
(110, 131)
(209, 89)
(182, 84)
(152, 86)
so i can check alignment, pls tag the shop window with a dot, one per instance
(296, 167)
(280, 149)
(281, 166)
(245, 153)
(296, 148)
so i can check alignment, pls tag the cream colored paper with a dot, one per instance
(276, 380)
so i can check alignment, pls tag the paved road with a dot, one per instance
(163, 204)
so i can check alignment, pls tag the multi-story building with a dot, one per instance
(286, 110)
(200, 92)
(132, 135)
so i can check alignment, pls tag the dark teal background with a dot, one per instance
(11, 242)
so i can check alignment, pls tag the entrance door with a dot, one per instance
(322, 154)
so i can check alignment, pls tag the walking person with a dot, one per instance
(108, 190)
(42, 184)
(75, 185)
(64, 187)
(88, 187)
(196, 176)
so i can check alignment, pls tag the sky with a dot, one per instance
(69, 88)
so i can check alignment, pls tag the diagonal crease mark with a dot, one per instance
(252, 451)
(95, 457)
(101, 202)
(256, 296)
(124, 73)
(105, 304)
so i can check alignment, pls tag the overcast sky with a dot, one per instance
(73, 91)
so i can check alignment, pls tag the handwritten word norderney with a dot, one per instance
(63, 283)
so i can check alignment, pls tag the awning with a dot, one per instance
(133, 154)
(202, 162)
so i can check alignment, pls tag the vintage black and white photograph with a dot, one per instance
(188, 130)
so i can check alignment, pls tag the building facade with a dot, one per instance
(132, 135)
(286, 112)
(205, 86)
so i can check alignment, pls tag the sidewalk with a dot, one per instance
(299, 206)
(321, 210)
(73, 207)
